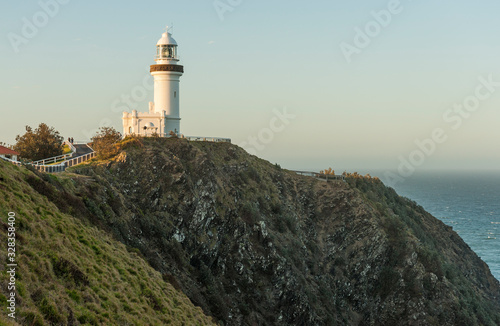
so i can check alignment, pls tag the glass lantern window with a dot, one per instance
(167, 51)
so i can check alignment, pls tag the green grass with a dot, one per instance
(69, 271)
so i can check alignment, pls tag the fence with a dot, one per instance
(208, 139)
(55, 168)
(80, 159)
(54, 159)
(190, 138)
(321, 176)
(42, 168)
(81, 142)
(51, 168)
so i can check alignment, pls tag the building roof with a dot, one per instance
(166, 39)
(6, 151)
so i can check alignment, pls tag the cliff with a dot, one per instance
(254, 244)
(70, 273)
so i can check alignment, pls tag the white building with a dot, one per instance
(8, 153)
(163, 117)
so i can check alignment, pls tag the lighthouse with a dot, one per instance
(163, 118)
(167, 73)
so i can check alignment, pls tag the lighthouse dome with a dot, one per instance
(166, 39)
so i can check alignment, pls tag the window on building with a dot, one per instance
(175, 94)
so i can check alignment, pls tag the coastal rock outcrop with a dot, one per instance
(254, 244)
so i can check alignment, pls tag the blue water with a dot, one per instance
(468, 202)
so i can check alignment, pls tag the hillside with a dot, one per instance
(71, 273)
(254, 244)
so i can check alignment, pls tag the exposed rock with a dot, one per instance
(253, 244)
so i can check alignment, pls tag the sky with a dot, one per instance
(356, 86)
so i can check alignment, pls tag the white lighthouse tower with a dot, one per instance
(167, 73)
(163, 117)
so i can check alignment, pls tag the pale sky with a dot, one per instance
(414, 63)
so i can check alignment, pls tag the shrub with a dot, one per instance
(249, 213)
(104, 142)
(386, 280)
(131, 141)
(328, 171)
(431, 261)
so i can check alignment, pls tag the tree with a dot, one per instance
(104, 142)
(43, 142)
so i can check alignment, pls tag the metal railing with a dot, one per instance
(321, 176)
(81, 142)
(42, 168)
(66, 164)
(54, 168)
(208, 139)
(51, 168)
(80, 159)
(54, 159)
(190, 138)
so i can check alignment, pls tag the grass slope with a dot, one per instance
(70, 273)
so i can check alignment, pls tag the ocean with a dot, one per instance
(468, 202)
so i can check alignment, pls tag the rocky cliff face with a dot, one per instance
(253, 244)
(67, 271)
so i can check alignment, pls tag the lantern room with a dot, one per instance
(166, 48)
